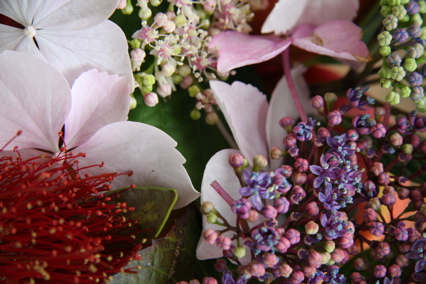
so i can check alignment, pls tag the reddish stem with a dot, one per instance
(219, 189)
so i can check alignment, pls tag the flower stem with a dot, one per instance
(222, 192)
(291, 86)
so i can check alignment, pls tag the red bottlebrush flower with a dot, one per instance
(55, 226)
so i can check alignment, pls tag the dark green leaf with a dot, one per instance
(171, 259)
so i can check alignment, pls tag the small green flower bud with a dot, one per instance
(422, 5)
(417, 18)
(398, 73)
(133, 102)
(421, 104)
(145, 14)
(128, 9)
(176, 78)
(423, 209)
(211, 118)
(410, 65)
(240, 252)
(386, 83)
(326, 257)
(207, 207)
(259, 162)
(211, 218)
(384, 38)
(423, 36)
(407, 149)
(393, 98)
(180, 21)
(135, 43)
(148, 79)
(184, 70)
(399, 11)
(195, 114)
(405, 92)
(329, 246)
(311, 228)
(155, 3)
(385, 72)
(390, 22)
(330, 97)
(394, 2)
(385, 50)
(146, 89)
(193, 90)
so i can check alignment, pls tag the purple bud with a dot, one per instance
(293, 236)
(412, 7)
(400, 35)
(378, 130)
(270, 259)
(382, 249)
(220, 265)
(380, 271)
(415, 30)
(334, 118)
(286, 121)
(297, 277)
(299, 178)
(383, 179)
(394, 59)
(288, 171)
(400, 234)
(301, 165)
(370, 215)
(209, 280)
(297, 194)
(269, 211)
(283, 245)
(282, 205)
(236, 160)
(346, 241)
(388, 199)
(415, 79)
(224, 242)
(377, 229)
(242, 208)
(290, 141)
(323, 134)
(317, 102)
(395, 270)
(312, 209)
(338, 255)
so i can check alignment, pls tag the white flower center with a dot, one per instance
(30, 31)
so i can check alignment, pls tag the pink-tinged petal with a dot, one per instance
(218, 169)
(244, 108)
(288, 14)
(147, 151)
(340, 39)
(239, 49)
(282, 105)
(103, 47)
(98, 99)
(35, 98)
(58, 14)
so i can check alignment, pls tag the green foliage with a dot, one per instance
(171, 259)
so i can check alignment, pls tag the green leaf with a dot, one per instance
(196, 140)
(171, 259)
(150, 213)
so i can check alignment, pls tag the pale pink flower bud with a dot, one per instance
(160, 19)
(253, 215)
(209, 280)
(186, 82)
(301, 165)
(334, 118)
(168, 69)
(285, 270)
(395, 270)
(309, 271)
(137, 57)
(377, 168)
(270, 259)
(379, 271)
(338, 255)
(151, 99)
(194, 281)
(224, 242)
(269, 211)
(293, 236)
(209, 6)
(169, 27)
(257, 270)
(346, 241)
(317, 102)
(396, 139)
(164, 90)
(236, 160)
(275, 153)
(210, 236)
(312, 209)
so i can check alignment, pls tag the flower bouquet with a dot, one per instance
(216, 141)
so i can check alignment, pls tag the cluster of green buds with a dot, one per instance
(171, 49)
(402, 42)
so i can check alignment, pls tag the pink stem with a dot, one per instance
(291, 86)
(219, 189)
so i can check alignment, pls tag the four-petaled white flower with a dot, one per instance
(72, 35)
(37, 100)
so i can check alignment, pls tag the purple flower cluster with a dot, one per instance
(297, 223)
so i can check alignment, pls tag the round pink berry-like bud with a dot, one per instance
(388, 199)
(377, 229)
(286, 121)
(312, 209)
(290, 140)
(377, 168)
(309, 271)
(315, 259)
(353, 250)
(352, 135)
(301, 165)
(209, 6)
(270, 259)
(359, 264)
(285, 270)
(282, 205)
(356, 277)
(275, 153)
(370, 215)
(347, 240)
(253, 216)
(379, 271)
(293, 236)
(297, 277)
(383, 179)
(395, 270)
(317, 102)
(257, 270)
(299, 178)
(151, 99)
(288, 171)
(338, 255)
(260, 161)
(224, 242)
(401, 234)
(236, 160)
(269, 211)
(164, 90)
(382, 250)
(403, 193)
(209, 280)
(210, 236)
(334, 118)
(414, 140)
(297, 194)
(378, 130)
(311, 228)
(283, 245)
(169, 27)
(402, 260)
(396, 139)
(137, 57)
(160, 19)
(186, 82)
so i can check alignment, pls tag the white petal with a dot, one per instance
(35, 98)
(21, 11)
(147, 151)
(284, 16)
(103, 47)
(244, 108)
(98, 99)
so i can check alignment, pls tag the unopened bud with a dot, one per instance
(151, 99)
(207, 207)
(259, 162)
